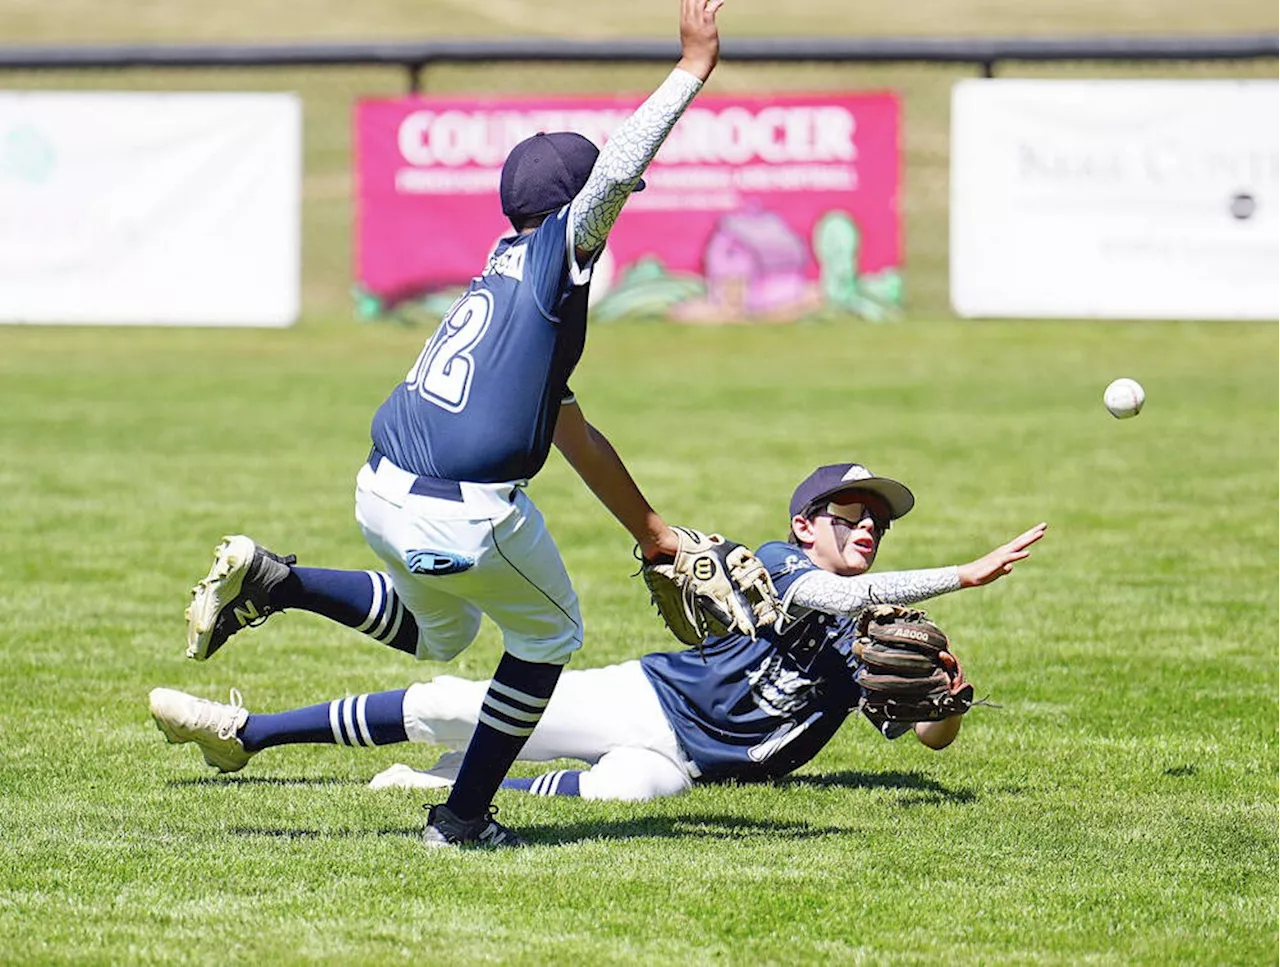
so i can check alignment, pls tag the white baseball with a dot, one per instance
(1123, 398)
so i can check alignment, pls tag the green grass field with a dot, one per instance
(1120, 808)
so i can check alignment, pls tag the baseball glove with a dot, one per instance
(712, 586)
(906, 670)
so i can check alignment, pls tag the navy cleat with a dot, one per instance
(445, 828)
(236, 594)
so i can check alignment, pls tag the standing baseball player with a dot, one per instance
(441, 498)
(743, 708)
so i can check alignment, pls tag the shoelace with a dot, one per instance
(227, 727)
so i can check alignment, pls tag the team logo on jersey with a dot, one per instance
(794, 562)
(436, 563)
(777, 739)
(777, 689)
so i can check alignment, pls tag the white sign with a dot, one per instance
(1115, 199)
(136, 208)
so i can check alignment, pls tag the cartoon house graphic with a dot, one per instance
(753, 265)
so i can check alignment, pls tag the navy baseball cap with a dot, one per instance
(545, 172)
(837, 477)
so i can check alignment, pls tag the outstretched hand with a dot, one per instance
(1000, 561)
(699, 37)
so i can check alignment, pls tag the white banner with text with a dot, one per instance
(150, 209)
(1115, 199)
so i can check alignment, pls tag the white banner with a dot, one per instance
(135, 208)
(1115, 199)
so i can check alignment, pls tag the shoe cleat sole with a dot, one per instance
(214, 592)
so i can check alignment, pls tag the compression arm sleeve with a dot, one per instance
(624, 158)
(824, 591)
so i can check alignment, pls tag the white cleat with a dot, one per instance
(400, 776)
(213, 726)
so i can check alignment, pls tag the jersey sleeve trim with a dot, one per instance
(570, 265)
(788, 617)
(579, 274)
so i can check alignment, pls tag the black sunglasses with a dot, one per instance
(855, 512)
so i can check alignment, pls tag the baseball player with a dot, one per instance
(441, 498)
(741, 708)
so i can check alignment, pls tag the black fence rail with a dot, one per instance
(417, 56)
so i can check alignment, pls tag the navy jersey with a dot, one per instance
(480, 404)
(759, 709)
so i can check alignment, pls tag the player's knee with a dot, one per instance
(555, 650)
(633, 788)
(443, 711)
(633, 775)
(445, 644)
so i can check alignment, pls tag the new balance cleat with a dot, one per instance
(235, 594)
(445, 828)
(213, 726)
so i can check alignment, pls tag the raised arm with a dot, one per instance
(629, 149)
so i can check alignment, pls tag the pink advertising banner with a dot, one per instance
(757, 208)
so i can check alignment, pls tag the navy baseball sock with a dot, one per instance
(373, 719)
(364, 600)
(514, 704)
(560, 783)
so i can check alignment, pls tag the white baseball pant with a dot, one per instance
(517, 576)
(609, 717)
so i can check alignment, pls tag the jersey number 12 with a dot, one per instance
(443, 373)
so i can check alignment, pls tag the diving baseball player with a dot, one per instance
(742, 708)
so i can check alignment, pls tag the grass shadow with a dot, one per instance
(920, 789)
(713, 827)
(279, 781)
(279, 832)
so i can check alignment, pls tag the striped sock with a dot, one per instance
(387, 619)
(376, 718)
(562, 782)
(512, 707)
(364, 600)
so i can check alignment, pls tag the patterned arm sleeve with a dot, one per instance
(624, 158)
(833, 594)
